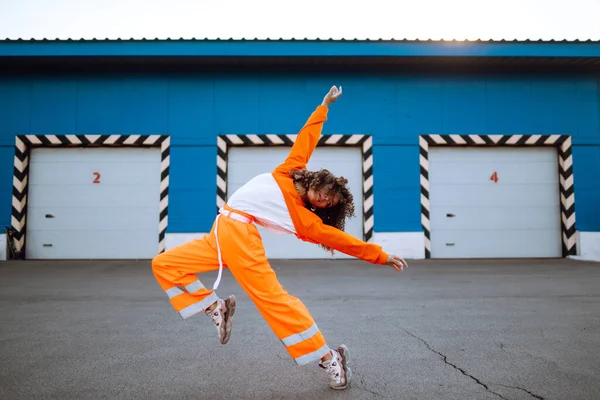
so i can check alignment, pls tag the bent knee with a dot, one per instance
(158, 262)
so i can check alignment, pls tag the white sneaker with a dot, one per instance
(337, 368)
(222, 317)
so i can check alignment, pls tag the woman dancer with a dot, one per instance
(312, 206)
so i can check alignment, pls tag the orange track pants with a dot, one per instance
(243, 254)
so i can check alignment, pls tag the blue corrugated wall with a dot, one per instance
(394, 109)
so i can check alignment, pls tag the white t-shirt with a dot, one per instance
(261, 197)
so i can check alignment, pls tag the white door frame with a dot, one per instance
(23, 146)
(563, 146)
(364, 142)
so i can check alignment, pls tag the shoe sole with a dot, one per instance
(228, 316)
(345, 353)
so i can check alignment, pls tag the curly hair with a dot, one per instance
(335, 186)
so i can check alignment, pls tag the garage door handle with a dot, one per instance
(450, 215)
(449, 244)
(47, 245)
(49, 216)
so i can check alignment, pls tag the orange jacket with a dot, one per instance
(309, 226)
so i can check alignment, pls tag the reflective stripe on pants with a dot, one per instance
(175, 271)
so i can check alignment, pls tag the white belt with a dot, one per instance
(235, 216)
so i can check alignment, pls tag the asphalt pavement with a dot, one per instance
(501, 329)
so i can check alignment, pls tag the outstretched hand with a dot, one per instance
(396, 262)
(332, 95)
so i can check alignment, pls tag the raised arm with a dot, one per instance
(309, 135)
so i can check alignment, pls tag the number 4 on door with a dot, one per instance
(96, 177)
(494, 177)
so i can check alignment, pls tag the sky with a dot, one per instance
(415, 19)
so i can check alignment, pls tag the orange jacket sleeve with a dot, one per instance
(315, 231)
(306, 141)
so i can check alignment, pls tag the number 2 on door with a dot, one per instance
(96, 177)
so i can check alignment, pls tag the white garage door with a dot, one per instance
(86, 203)
(247, 162)
(494, 202)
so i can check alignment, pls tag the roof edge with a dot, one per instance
(334, 40)
(296, 48)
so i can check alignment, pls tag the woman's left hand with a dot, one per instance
(396, 262)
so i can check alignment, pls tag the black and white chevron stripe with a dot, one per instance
(365, 142)
(24, 144)
(567, 196)
(561, 142)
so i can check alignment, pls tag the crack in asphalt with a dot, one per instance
(523, 389)
(445, 359)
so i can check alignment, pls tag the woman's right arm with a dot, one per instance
(309, 135)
